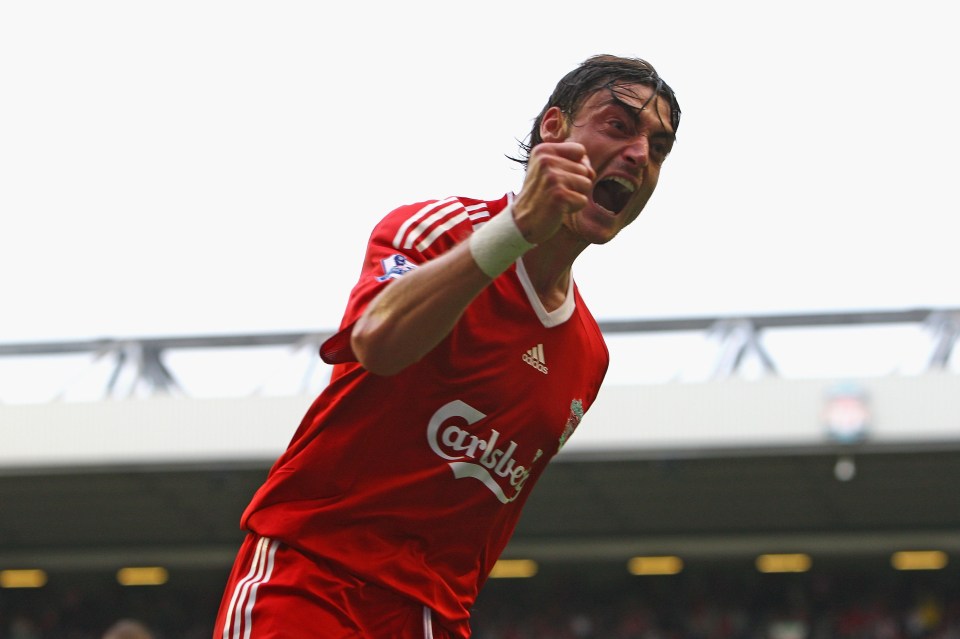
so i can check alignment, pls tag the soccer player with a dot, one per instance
(465, 360)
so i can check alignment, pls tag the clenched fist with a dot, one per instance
(558, 184)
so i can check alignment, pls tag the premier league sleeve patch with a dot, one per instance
(395, 266)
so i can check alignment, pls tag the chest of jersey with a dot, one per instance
(530, 381)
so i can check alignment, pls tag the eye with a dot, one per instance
(619, 126)
(660, 150)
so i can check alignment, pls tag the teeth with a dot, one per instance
(627, 184)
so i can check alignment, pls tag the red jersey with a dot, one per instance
(416, 481)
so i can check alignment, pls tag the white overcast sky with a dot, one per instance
(201, 167)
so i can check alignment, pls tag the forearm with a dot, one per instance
(412, 315)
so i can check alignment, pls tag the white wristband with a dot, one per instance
(498, 244)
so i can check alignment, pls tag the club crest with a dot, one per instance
(576, 414)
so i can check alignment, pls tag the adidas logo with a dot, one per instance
(534, 357)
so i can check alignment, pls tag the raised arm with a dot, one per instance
(416, 312)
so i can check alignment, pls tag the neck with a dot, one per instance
(549, 266)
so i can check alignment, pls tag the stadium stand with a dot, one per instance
(725, 603)
(750, 453)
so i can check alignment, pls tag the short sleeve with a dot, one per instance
(405, 239)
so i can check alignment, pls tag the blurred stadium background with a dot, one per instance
(779, 477)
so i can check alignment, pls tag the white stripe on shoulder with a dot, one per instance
(416, 233)
(478, 213)
(398, 240)
(440, 230)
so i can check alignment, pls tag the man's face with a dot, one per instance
(627, 143)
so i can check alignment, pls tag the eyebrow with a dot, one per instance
(634, 112)
(670, 136)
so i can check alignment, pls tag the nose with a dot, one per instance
(637, 152)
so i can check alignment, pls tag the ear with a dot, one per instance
(553, 126)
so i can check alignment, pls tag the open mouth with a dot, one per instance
(613, 193)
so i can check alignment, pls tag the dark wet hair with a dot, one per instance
(594, 74)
